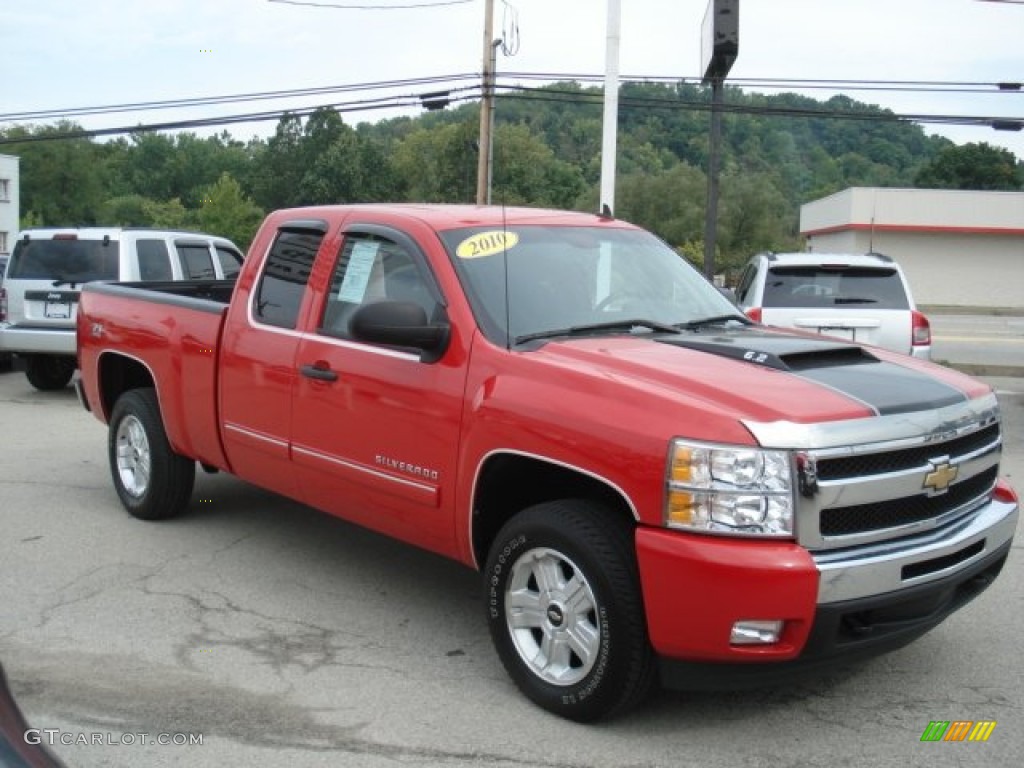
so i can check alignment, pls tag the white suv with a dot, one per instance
(858, 297)
(39, 298)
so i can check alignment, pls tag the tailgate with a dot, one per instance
(880, 327)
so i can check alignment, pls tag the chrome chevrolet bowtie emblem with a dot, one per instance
(940, 477)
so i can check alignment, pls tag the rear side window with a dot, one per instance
(835, 287)
(230, 262)
(67, 260)
(154, 260)
(196, 261)
(285, 274)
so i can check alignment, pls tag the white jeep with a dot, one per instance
(39, 298)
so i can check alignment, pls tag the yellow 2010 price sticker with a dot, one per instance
(486, 244)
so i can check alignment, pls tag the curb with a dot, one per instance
(984, 369)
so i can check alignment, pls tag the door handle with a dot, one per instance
(319, 370)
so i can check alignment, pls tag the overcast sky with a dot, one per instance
(60, 54)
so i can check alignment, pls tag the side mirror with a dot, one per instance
(401, 324)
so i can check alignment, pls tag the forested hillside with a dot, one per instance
(779, 151)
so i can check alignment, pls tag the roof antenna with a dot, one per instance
(606, 211)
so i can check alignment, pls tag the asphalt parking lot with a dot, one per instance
(285, 637)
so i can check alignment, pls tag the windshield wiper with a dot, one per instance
(583, 330)
(853, 300)
(64, 281)
(714, 320)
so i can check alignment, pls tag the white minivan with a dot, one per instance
(39, 298)
(858, 297)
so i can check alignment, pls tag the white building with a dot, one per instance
(958, 248)
(8, 203)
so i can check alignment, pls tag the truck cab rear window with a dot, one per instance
(285, 274)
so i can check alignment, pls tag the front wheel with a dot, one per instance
(152, 481)
(49, 372)
(566, 612)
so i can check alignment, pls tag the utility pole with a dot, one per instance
(483, 168)
(611, 109)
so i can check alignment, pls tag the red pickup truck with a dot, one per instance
(652, 485)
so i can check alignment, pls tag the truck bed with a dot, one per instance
(173, 330)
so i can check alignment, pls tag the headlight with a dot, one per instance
(729, 489)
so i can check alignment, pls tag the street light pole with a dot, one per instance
(714, 153)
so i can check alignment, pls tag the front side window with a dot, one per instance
(285, 275)
(835, 287)
(532, 280)
(374, 268)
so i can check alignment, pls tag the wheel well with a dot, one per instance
(509, 483)
(117, 375)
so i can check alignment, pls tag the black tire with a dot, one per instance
(587, 552)
(152, 481)
(49, 372)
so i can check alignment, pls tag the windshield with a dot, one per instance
(835, 287)
(67, 260)
(569, 277)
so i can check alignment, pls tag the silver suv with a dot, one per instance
(39, 298)
(857, 297)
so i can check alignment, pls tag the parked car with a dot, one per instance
(20, 745)
(858, 297)
(39, 298)
(5, 357)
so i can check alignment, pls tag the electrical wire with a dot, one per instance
(540, 94)
(364, 7)
(910, 86)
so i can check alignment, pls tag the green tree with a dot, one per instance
(973, 166)
(670, 203)
(438, 165)
(227, 212)
(60, 182)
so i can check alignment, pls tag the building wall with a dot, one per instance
(958, 248)
(9, 202)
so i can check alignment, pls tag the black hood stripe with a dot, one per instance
(887, 387)
(847, 369)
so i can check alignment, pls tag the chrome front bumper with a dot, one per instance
(890, 566)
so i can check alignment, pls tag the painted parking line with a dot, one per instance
(981, 339)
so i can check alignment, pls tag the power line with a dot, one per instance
(909, 86)
(145, 106)
(364, 7)
(587, 97)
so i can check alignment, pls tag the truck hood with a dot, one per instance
(767, 375)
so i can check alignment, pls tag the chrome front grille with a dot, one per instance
(884, 491)
(880, 478)
(894, 513)
(859, 465)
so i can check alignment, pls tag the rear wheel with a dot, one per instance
(566, 612)
(49, 372)
(152, 481)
